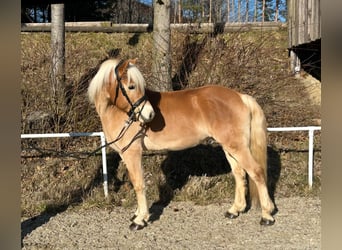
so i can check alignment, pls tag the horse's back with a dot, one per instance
(184, 118)
(210, 103)
(212, 93)
(220, 103)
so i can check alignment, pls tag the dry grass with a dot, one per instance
(56, 173)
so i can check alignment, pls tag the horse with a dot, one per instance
(135, 118)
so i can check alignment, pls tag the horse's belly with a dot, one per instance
(172, 142)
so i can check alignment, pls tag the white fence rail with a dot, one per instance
(310, 129)
(103, 149)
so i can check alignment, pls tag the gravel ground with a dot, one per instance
(181, 225)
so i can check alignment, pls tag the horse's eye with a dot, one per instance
(131, 87)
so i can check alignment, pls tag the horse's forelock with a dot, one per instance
(102, 77)
(135, 75)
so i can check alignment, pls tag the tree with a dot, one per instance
(57, 48)
(58, 63)
(228, 10)
(276, 10)
(161, 65)
(180, 15)
(239, 11)
(247, 11)
(267, 13)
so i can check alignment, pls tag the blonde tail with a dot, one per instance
(258, 143)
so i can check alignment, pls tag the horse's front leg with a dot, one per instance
(132, 159)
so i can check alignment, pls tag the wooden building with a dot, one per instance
(304, 31)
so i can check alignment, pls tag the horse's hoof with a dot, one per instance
(266, 222)
(133, 217)
(230, 215)
(135, 227)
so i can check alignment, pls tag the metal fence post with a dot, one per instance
(104, 165)
(310, 161)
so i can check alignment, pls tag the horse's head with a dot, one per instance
(126, 91)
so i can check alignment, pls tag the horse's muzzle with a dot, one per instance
(147, 113)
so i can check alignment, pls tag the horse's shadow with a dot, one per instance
(178, 166)
(30, 224)
(202, 160)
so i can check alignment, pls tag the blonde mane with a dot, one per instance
(106, 71)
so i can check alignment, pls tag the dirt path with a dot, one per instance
(181, 225)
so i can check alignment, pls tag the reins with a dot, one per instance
(132, 116)
(120, 135)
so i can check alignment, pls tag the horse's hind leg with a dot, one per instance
(132, 159)
(239, 174)
(256, 173)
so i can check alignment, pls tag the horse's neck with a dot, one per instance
(108, 114)
(101, 104)
(106, 109)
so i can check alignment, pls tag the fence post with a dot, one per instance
(104, 165)
(57, 48)
(310, 161)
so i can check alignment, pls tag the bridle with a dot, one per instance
(131, 113)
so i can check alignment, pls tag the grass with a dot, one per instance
(57, 173)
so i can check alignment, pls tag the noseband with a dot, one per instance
(131, 113)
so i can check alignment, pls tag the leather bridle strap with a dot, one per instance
(130, 113)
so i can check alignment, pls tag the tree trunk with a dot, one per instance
(228, 10)
(247, 11)
(276, 11)
(161, 65)
(180, 14)
(233, 11)
(58, 65)
(239, 11)
(202, 11)
(175, 11)
(263, 10)
(58, 49)
(210, 6)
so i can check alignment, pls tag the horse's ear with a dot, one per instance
(123, 68)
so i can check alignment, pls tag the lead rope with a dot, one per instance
(121, 134)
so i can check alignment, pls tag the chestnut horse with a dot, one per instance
(135, 119)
